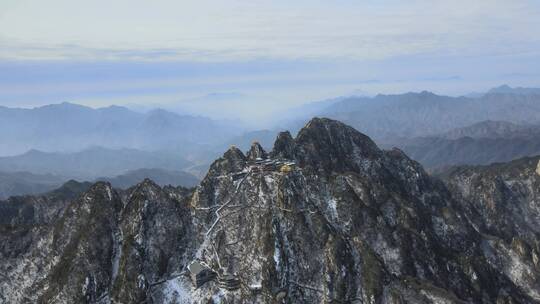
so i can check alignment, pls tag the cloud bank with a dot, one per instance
(238, 30)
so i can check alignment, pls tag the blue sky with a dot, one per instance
(247, 59)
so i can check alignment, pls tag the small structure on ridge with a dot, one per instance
(200, 273)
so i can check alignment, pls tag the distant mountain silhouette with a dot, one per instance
(26, 183)
(19, 183)
(506, 89)
(159, 176)
(488, 129)
(479, 144)
(71, 127)
(91, 163)
(387, 117)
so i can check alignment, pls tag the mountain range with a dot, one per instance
(506, 89)
(25, 183)
(159, 176)
(77, 142)
(70, 127)
(389, 117)
(21, 183)
(324, 217)
(91, 163)
(479, 144)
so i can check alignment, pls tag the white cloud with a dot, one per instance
(230, 30)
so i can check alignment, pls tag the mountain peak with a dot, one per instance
(426, 93)
(147, 182)
(506, 89)
(147, 188)
(233, 160)
(330, 129)
(256, 151)
(64, 106)
(233, 153)
(283, 146)
(100, 191)
(327, 145)
(503, 87)
(330, 145)
(34, 152)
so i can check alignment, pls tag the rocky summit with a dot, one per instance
(326, 217)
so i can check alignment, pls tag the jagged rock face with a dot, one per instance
(104, 247)
(256, 152)
(63, 251)
(351, 223)
(326, 217)
(156, 235)
(503, 202)
(20, 217)
(232, 161)
(283, 146)
(81, 241)
(330, 146)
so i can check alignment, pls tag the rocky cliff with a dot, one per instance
(502, 201)
(326, 217)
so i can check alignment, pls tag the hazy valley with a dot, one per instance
(75, 142)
